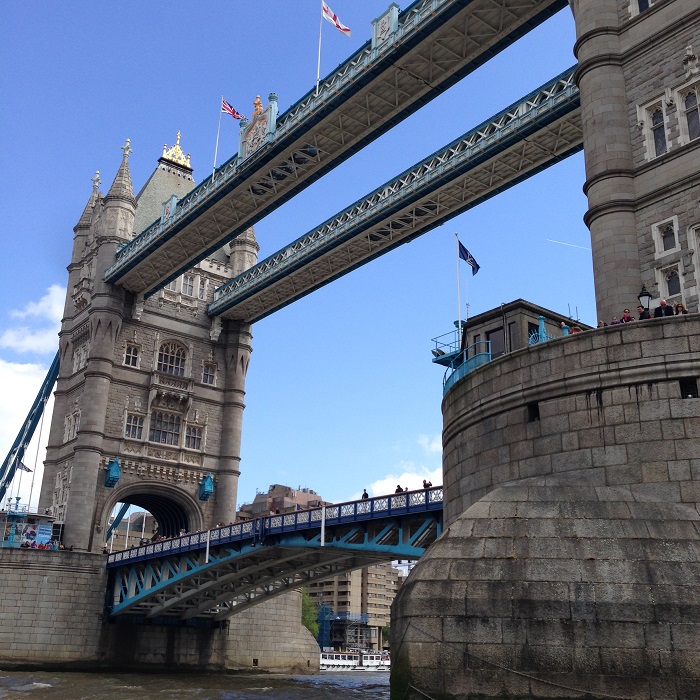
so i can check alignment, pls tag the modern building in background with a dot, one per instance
(281, 499)
(356, 606)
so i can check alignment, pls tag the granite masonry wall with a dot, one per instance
(570, 565)
(53, 616)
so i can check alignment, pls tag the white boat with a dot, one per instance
(351, 661)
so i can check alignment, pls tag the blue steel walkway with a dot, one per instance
(209, 576)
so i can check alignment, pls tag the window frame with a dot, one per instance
(140, 419)
(680, 96)
(657, 232)
(213, 367)
(128, 355)
(197, 438)
(165, 424)
(172, 368)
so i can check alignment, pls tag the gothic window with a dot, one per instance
(202, 288)
(80, 356)
(71, 426)
(165, 428)
(131, 356)
(171, 286)
(658, 130)
(193, 437)
(188, 285)
(665, 235)
(692, 114)
(208, 373)
(171, 359)
(134, 426)
(673, 282)
(668, 237)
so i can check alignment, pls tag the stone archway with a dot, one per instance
(172, 509)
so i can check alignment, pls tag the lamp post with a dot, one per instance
(644, 298)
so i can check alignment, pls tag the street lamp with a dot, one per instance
(644, 298)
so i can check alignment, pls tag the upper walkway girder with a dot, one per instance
(436, 44)
(533, 133)
(213, 575)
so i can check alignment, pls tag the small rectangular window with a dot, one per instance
(171, 286)
(533, 412)
(134, 427)
(202, 288)
(193, 438)
(689, 388)
(188, 285)
(208, 374)
(131, 356)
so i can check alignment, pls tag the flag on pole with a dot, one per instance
(468, 258)
(226, 107)
(21, 465)
(331, 17)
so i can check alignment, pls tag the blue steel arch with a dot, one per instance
(215, 574)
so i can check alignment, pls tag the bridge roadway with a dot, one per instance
(209, 576)
(537, 131)
(436, 44)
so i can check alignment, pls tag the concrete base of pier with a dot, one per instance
(53, 616)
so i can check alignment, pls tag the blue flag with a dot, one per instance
(468, 258)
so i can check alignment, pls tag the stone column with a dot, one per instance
(238, 349)
(608, 156)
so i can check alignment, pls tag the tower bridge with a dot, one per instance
(432, 44)
(530, 135)
(570, 553)
(218, 573)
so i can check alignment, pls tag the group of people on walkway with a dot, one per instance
(662, 310)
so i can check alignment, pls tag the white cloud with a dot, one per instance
(431, 445)
(20, 384)
(40, 337)
(49, 307)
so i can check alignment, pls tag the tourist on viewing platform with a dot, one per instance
(680, 309)
(602, 324)
(365, 495)
(643, 313)
(663, 309)
(398, 489)
(626, 318)
(615, 321)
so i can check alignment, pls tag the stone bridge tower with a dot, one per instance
(152, 387)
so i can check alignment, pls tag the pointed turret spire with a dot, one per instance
(87, 213)
(121, 187)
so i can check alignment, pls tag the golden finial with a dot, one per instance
(175, 154)
(257, 105)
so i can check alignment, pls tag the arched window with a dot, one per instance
(165, 428)
(171, 359)
(658, 132)
(692, 114)
(668, 237)
(673, 283)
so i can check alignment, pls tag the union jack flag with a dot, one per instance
(226, 107)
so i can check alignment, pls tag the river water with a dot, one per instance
(361, 685)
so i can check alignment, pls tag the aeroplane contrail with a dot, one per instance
(571, 245)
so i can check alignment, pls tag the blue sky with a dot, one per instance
(341, 392)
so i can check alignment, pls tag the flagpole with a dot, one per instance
(216, 148)
(318, 66)
(459, 297)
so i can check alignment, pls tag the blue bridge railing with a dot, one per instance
(257, 529)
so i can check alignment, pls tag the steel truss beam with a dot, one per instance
(250, 562)
(437, 43)
(523, 139)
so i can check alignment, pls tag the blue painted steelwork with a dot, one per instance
(113, 473)
(383, 212)
(117, 520)
(14, 457)
(417, 24)
(217, 573)
(541, 336)
(206, 488)
(467, 361)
